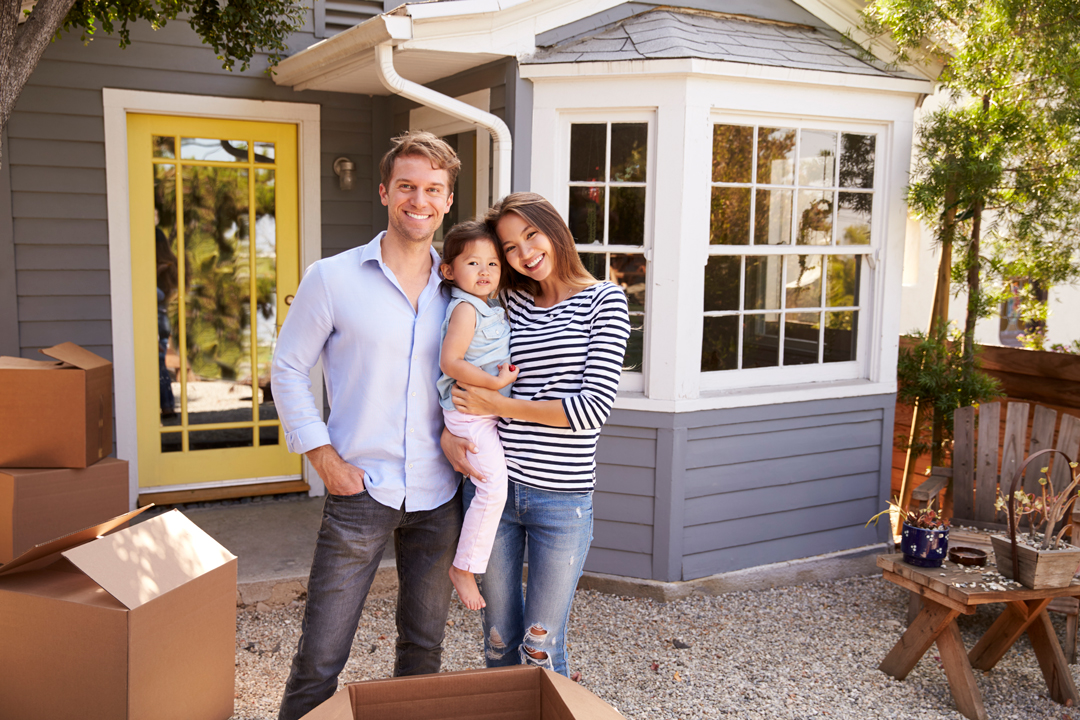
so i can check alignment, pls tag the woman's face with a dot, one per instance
(527, 249)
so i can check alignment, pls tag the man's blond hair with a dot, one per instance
(421, 143)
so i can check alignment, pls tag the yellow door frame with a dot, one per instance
(216, 466)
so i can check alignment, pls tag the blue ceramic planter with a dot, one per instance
(924, 548)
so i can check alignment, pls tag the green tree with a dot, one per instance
(236, 30)
(997, 166)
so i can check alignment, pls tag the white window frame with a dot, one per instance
(870, 278)
(634, 382)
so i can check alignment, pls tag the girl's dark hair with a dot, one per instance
(458, 238)
(542, 215)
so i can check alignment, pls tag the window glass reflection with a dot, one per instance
(586, 219)
(803, 281)
(722, 283)
(776, 156)
(720, 343)
(801, 338)
(212, 149)
(587, 151)
(817, 158)
(772, 217)
(628, 151)
(729, 217)
(733, 148)
(761, 340)
(815, 217)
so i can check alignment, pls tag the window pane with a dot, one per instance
(733, 146)
(853, 218)
(801, 338)
(763, 282)
(595, 263)
(172, 442)
(720, 343)
(761, 340)
(817, 158)
(857, 160)
(776, 156)
(222, 438)
(628, 145)
(841, 335)
(587, 215)
(264, 153)
(722, 283)
(815, 217)
(772, 217)
(729, 218)
(843, 281)
(628, 272)
(164, 147)
(587, 145)
(627, 216)
(214, 149)
(803, 281)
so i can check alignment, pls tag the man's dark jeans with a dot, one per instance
(354, 533)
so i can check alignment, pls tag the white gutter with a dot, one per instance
(500, 133)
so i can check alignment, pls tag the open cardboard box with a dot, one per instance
(510, 693)
(39, 504)
(55, 413)
(139, 624)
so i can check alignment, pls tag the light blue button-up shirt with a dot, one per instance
(380, 359)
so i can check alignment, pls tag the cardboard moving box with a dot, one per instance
(139, 624)
(511, 693)
(55, 413)
(39, 504)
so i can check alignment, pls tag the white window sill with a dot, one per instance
(753, 397)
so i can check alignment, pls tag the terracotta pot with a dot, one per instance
(1039, 569)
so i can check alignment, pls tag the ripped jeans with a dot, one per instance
(528, 627)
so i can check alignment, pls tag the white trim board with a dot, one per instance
(116, 104)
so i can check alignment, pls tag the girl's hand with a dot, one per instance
(475, 400)
(456, 450)
(507, 374)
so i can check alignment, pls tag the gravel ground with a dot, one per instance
(793, 652)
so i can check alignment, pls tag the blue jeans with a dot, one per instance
(528, 627)
(354, 533)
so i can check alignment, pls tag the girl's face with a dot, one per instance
(527, 249)
(476, 269)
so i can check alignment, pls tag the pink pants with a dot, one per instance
(482, 519)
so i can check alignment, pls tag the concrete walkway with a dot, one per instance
(274, 540)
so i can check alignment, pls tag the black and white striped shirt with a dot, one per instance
(572, 351)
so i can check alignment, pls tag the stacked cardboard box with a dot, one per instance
(132, 624)
(55, 438)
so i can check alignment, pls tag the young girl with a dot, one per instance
(475, 350)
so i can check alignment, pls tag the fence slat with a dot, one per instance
(964, 463)
(1042, 436)
(1069, 443)
(1012, 451)
(986, 465)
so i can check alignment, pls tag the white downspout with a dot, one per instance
(500, 133)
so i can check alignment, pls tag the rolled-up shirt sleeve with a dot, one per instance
(609, 332)
(300, 343)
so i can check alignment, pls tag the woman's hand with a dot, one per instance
(456, 450)
(475, 400)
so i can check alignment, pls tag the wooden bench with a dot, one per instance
(981, 457)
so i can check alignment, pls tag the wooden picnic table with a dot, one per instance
(944, 602)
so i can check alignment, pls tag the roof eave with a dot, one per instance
(342, 49)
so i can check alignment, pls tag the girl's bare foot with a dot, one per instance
(465, 584)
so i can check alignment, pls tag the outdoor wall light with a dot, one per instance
(345, 169)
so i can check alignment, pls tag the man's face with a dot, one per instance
(418, 197)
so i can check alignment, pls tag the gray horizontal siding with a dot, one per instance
(55, 153)
(744, 487)
(623, 504)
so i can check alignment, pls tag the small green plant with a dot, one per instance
(1047, 510)
(926, 518)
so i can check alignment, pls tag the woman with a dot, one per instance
(568, 337)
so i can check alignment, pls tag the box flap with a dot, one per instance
(148, 560)
(17, 363)
(578, 700)
(338, 707)
(72, 354)
(43, 554)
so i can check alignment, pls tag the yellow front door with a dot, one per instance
(214, 263)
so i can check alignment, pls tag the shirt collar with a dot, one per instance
(372, 252)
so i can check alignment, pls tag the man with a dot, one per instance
(374, 315)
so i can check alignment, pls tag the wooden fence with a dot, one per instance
(1043, 378)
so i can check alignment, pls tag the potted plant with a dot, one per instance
(1039, 559)
(924, 536)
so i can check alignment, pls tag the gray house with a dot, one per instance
(737, 167)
